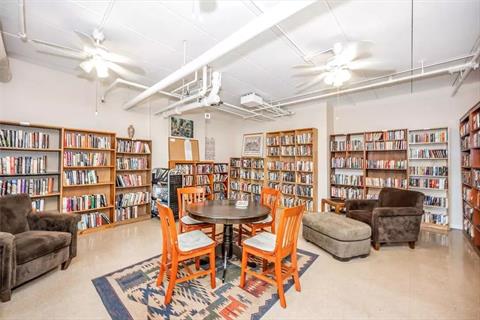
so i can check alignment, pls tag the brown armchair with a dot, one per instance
(32, 243)
(395, 217)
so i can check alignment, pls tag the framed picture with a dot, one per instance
(181, 127)
(252, 145)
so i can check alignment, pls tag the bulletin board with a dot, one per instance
(183, 149)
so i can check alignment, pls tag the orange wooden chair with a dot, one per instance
(269, 197)
(275, 248)
(179, 249)
(187, 223)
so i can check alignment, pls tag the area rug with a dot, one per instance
(131, 293)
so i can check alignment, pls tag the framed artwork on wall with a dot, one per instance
(181, 127)
(252, 145)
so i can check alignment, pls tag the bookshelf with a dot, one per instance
(195, 173)
(247, 178)
(470, 168)
(220, 180)
(428, 173)
(30, 163)
(234, 191)
(88, 177)
(133, 182)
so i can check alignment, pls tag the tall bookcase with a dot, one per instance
(220, 181)
(133, 180)
(247, 178)
(470, 166)
(195, 173)
(30, 163)
(428, 173)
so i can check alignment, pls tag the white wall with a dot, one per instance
(427, 109)
(41, 95)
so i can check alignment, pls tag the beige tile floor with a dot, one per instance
(440, 279)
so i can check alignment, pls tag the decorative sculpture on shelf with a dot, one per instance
(131, 131)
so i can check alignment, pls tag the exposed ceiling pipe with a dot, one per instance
(195, 79)
(135, 85)
(22, 22)
(280, 12)
(255, 114)
(466, 72)
(452, 69)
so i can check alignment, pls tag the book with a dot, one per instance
(24, 139)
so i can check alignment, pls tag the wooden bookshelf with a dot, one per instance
(89, 151)
(428, 173)
(470, 168)
(195, 173)
(133, 179)
(220, 180)
(14, 142)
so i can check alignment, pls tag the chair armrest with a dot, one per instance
(396, 211)
(64, 222)
(7, 261)
(351, 205)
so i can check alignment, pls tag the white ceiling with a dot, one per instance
(153, 32)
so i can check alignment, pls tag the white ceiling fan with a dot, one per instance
(343, 60)
(94, 55)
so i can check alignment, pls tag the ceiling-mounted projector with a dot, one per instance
(251, 100)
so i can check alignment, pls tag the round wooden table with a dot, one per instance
(225, 212)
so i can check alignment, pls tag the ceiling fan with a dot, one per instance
(343, 60)
(94, 56)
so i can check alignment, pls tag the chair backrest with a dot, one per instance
(189, 195)
(169, 232)
(392, 197)
(287, 234)
(14, 211)
(270, 198)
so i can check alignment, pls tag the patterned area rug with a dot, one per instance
(131, 293)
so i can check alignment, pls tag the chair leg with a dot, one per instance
(240, 231)
(212, 268)
(161, 273)
(376, 246)
(272, 227)
(6, 295)
(197, 263)
(214, 235)
(243, 272)
(264, 265)
(296, 278)
(66, 264)
(278, 278)
(411, 244)
(173, 280)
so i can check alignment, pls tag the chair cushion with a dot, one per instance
(31, 245)
(266, 220)
(361, 215)
(190, 220)
(193, 240)
(14, 210)
(337, 227)
(264, 241)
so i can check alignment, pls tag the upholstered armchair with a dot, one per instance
(32, 243)
(395, 217)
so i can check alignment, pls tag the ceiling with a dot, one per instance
(153, 32)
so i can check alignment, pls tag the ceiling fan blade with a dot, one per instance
(311, 83)
(86, 39)
(117, 58)
(121, 71)
(87, 65)
(372, 73)
(57, 49)
(311, 71)
(303, 66)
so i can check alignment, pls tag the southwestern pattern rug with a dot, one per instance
(131, 293)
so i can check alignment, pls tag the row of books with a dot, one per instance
(346, 145)
(435, 218)
(428, 153)
(133, 146)
(288, 189)
(185, 168)
(288, 139)
(465, 143)
(93, 220)
(38, 204)
(203, 180)
(347, 163)
(387, 164)
(431, 137)
(434, 201)
(128, 199)
(468, 228)
(476, 178)
(346, 192)
(476, 121)
(87, 140)
(429, 171)
(346, 179)
(338, 145)
(476, 140)
(204, 168)
(79, 177)
(273, 185)
(273, 141)
(32, 187)
(251, 187)
(252, 163)
(24, 139)
(234, 173)
(219, 187)
(273, 151)
(220, 196)
(207, 189)
(85, 159)
(385, 136)
(305, 178)
(220, 168)
(257, 175)
(466, 160)
(84, 202)
(289, 202)
(386, 145)
(288, 177)
(304, 191)
(304, 151)
(464, 128)
(386, 182)
(187, 181)
(304, 138)
(274, 176)
(467, 194)
(126, 213)
(235, 195)
(235, 163)
(306, 166)
(11, 165)
(220, 177)
(466, 177)
(129, 180)
(428, 183)
(308, 203)
(131, 163)
(280, 165)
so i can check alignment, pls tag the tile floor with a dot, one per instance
(440, 279)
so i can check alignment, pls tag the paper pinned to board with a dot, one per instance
(188, 150)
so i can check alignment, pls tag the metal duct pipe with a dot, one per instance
(21, 17)
(280, 12)
(256, 114)
(187, 84)
(474, 65)
(381, 84)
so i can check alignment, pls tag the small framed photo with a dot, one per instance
(252, 145)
